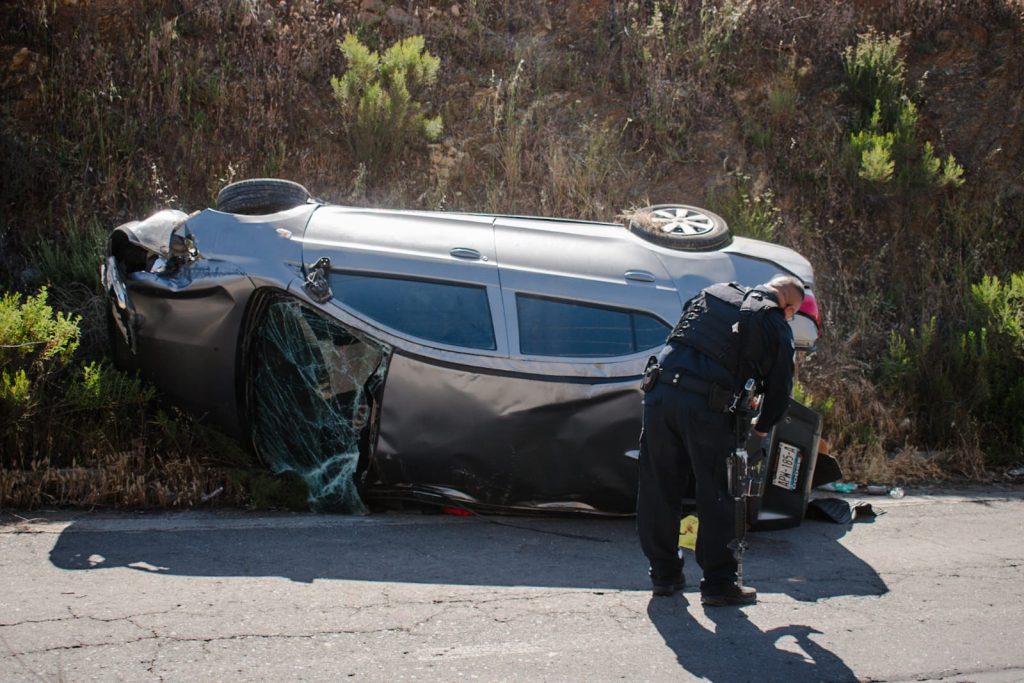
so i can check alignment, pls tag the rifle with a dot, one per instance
(745, 470)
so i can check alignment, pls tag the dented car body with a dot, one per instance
(489, 361)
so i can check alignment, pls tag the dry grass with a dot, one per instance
(136, 478)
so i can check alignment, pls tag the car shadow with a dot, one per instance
(806, 563)
(733, 648)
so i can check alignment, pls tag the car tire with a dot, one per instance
(678, 226)
(258, 196)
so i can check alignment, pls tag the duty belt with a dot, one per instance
(679, 379)
(719, 398)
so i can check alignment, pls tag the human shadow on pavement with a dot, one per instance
(806, 563)
(737, 650)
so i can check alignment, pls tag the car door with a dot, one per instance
(582, 291)
(428, 283)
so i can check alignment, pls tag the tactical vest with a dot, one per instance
(716, 321)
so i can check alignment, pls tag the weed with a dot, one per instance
(783, 96)
(672, 54)
(749, 213)
(73, 257)
(508, 124)
(585, 180)
(36, 346)
(757, 134)
(82, 432)
(377, 97)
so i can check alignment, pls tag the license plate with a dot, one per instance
(788, 467)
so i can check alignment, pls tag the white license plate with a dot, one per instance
(788, 467)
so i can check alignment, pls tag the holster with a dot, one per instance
(651, 374)
(720, 399)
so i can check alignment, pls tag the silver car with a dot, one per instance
(453, 358)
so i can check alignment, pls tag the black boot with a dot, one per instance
(730, 594)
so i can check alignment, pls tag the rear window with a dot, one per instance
(445, 312)
(549, 327)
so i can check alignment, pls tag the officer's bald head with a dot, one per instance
(789, 291)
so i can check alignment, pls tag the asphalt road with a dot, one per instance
(931, 590)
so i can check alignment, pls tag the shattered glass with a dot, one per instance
(312, 385)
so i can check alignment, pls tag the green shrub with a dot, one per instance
(884, 145)
(873, 153)
(378, 95)
(825, 406)
(52, 406)
(966, 381)
(85, 433)
(32, 337)
(100, 387)
(36, 347)
(73, 258)
(875, 76)
(997, 309)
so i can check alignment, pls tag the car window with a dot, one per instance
(445, 312)
(310, 388)
(548, 327)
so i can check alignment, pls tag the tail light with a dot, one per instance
(809, 308)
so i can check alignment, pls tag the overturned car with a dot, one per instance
(481, 360)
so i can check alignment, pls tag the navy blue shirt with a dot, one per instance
(773, 368)
(775, 364)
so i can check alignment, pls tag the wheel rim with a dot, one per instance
(683, 221)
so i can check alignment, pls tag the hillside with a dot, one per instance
(581, 108)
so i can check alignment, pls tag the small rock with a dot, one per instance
(455, 11)
(400, 17)
(368, 18)
(20, 58)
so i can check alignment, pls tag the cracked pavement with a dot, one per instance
(918, 594)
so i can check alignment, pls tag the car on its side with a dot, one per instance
(477, 360)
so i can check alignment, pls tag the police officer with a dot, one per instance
(726, 335)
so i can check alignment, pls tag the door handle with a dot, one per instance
(640, 276)
(467, 254)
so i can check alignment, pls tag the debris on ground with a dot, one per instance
(841, 511)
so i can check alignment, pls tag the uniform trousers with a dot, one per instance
(683, 439)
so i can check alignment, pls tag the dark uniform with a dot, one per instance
(688, 431)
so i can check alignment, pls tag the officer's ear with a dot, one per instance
(790, 302)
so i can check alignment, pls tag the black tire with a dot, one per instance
(678, 226)
(258, 196)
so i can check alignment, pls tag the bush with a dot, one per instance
(35, 347)
(87, 434)
(885, 145)
(377, 96)
(41, 390)
(997, 310)
(73, 258)
(966, 382)
(875, 78)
